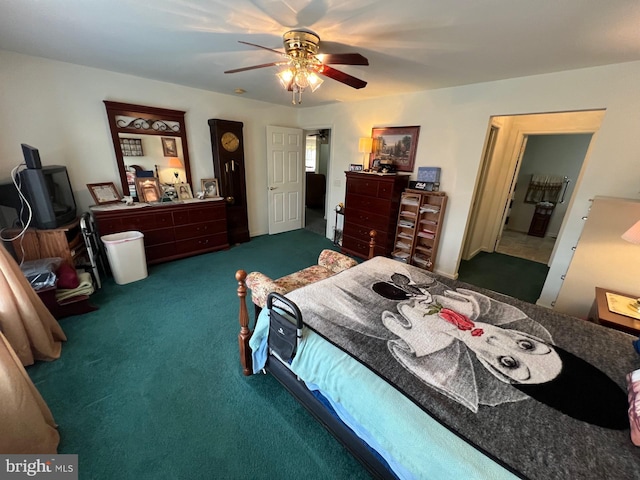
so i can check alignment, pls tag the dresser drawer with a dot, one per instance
(360, 248)
(362, 233)
(202, 243)
(198, 214)
(372, 204)
(200, 229)
(385, 190)
(159, 236)
(159, 252)
(363, 186)
(109, 225)
(366, 219)
(146, 221)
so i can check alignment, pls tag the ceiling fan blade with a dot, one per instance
(253, 67)
(343, 58)
(260, 46)
(342, 77)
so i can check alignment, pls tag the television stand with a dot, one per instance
(65, 242)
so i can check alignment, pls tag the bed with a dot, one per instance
(424, 377)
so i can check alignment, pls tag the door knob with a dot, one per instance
(272, 188)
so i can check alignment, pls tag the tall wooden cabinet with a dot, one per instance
(419, 227)
(371, 203)
(171, 231)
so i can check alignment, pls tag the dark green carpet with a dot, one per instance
(512, 276)
(150, 387)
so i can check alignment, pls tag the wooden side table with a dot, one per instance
(600, 313)
(65, 242)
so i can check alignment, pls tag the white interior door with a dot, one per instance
(285, 174)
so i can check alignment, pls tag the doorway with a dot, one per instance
(500, 182)
(546, 174)
(317, 151)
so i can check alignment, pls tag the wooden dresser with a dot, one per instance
(371, 202)
(171, 231)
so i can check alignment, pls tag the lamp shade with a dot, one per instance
(364, 144)
(633, 234)
(174, 162)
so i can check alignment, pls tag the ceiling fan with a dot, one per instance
(304, 63)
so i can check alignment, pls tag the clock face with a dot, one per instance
(230, 141)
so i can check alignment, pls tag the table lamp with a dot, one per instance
(364, 147)
(175, 162)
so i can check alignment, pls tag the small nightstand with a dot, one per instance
(601, 314)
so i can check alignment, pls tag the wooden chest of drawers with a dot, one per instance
(170, 231)
(371, 203)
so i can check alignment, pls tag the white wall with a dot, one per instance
(58, 108)
(454, 123)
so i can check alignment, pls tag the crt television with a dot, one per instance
(46, 188)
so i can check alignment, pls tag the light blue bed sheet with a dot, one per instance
(414, 444)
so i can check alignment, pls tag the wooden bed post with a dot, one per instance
(243, 317)
(372, 242)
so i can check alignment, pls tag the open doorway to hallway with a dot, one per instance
(519, 147)
(513, 180)
(544, 182)
(317, 149)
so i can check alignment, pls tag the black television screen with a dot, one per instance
(49, 193)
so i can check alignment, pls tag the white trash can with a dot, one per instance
(125, 252)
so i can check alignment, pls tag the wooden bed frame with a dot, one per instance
(374, 464)
(243, 316)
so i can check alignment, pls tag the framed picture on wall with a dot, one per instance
(396, 145)
(169, 147)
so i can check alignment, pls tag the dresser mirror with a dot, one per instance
(148, 141)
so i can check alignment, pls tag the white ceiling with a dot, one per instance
(411, 45)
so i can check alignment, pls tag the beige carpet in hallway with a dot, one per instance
(521, 245)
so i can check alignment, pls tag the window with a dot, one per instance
(311, 153)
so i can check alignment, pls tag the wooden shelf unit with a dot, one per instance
(65, 242)
(171, 231)
(419, 227)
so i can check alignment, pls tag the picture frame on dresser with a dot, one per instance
(183, 191)
(104, 193)
(210, 187)
(395, 144)
(148, 189)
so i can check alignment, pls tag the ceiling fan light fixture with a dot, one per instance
(314, 81)
(304, 65)
(285, 76)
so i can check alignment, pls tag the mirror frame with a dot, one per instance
(153, 116)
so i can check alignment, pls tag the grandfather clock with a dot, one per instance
(227, 147)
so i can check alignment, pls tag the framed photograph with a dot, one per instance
(395, 144)
(104, 193)
(355, 167)
(210, 187)
(148, 189)
(169, 147)
(184, 191)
